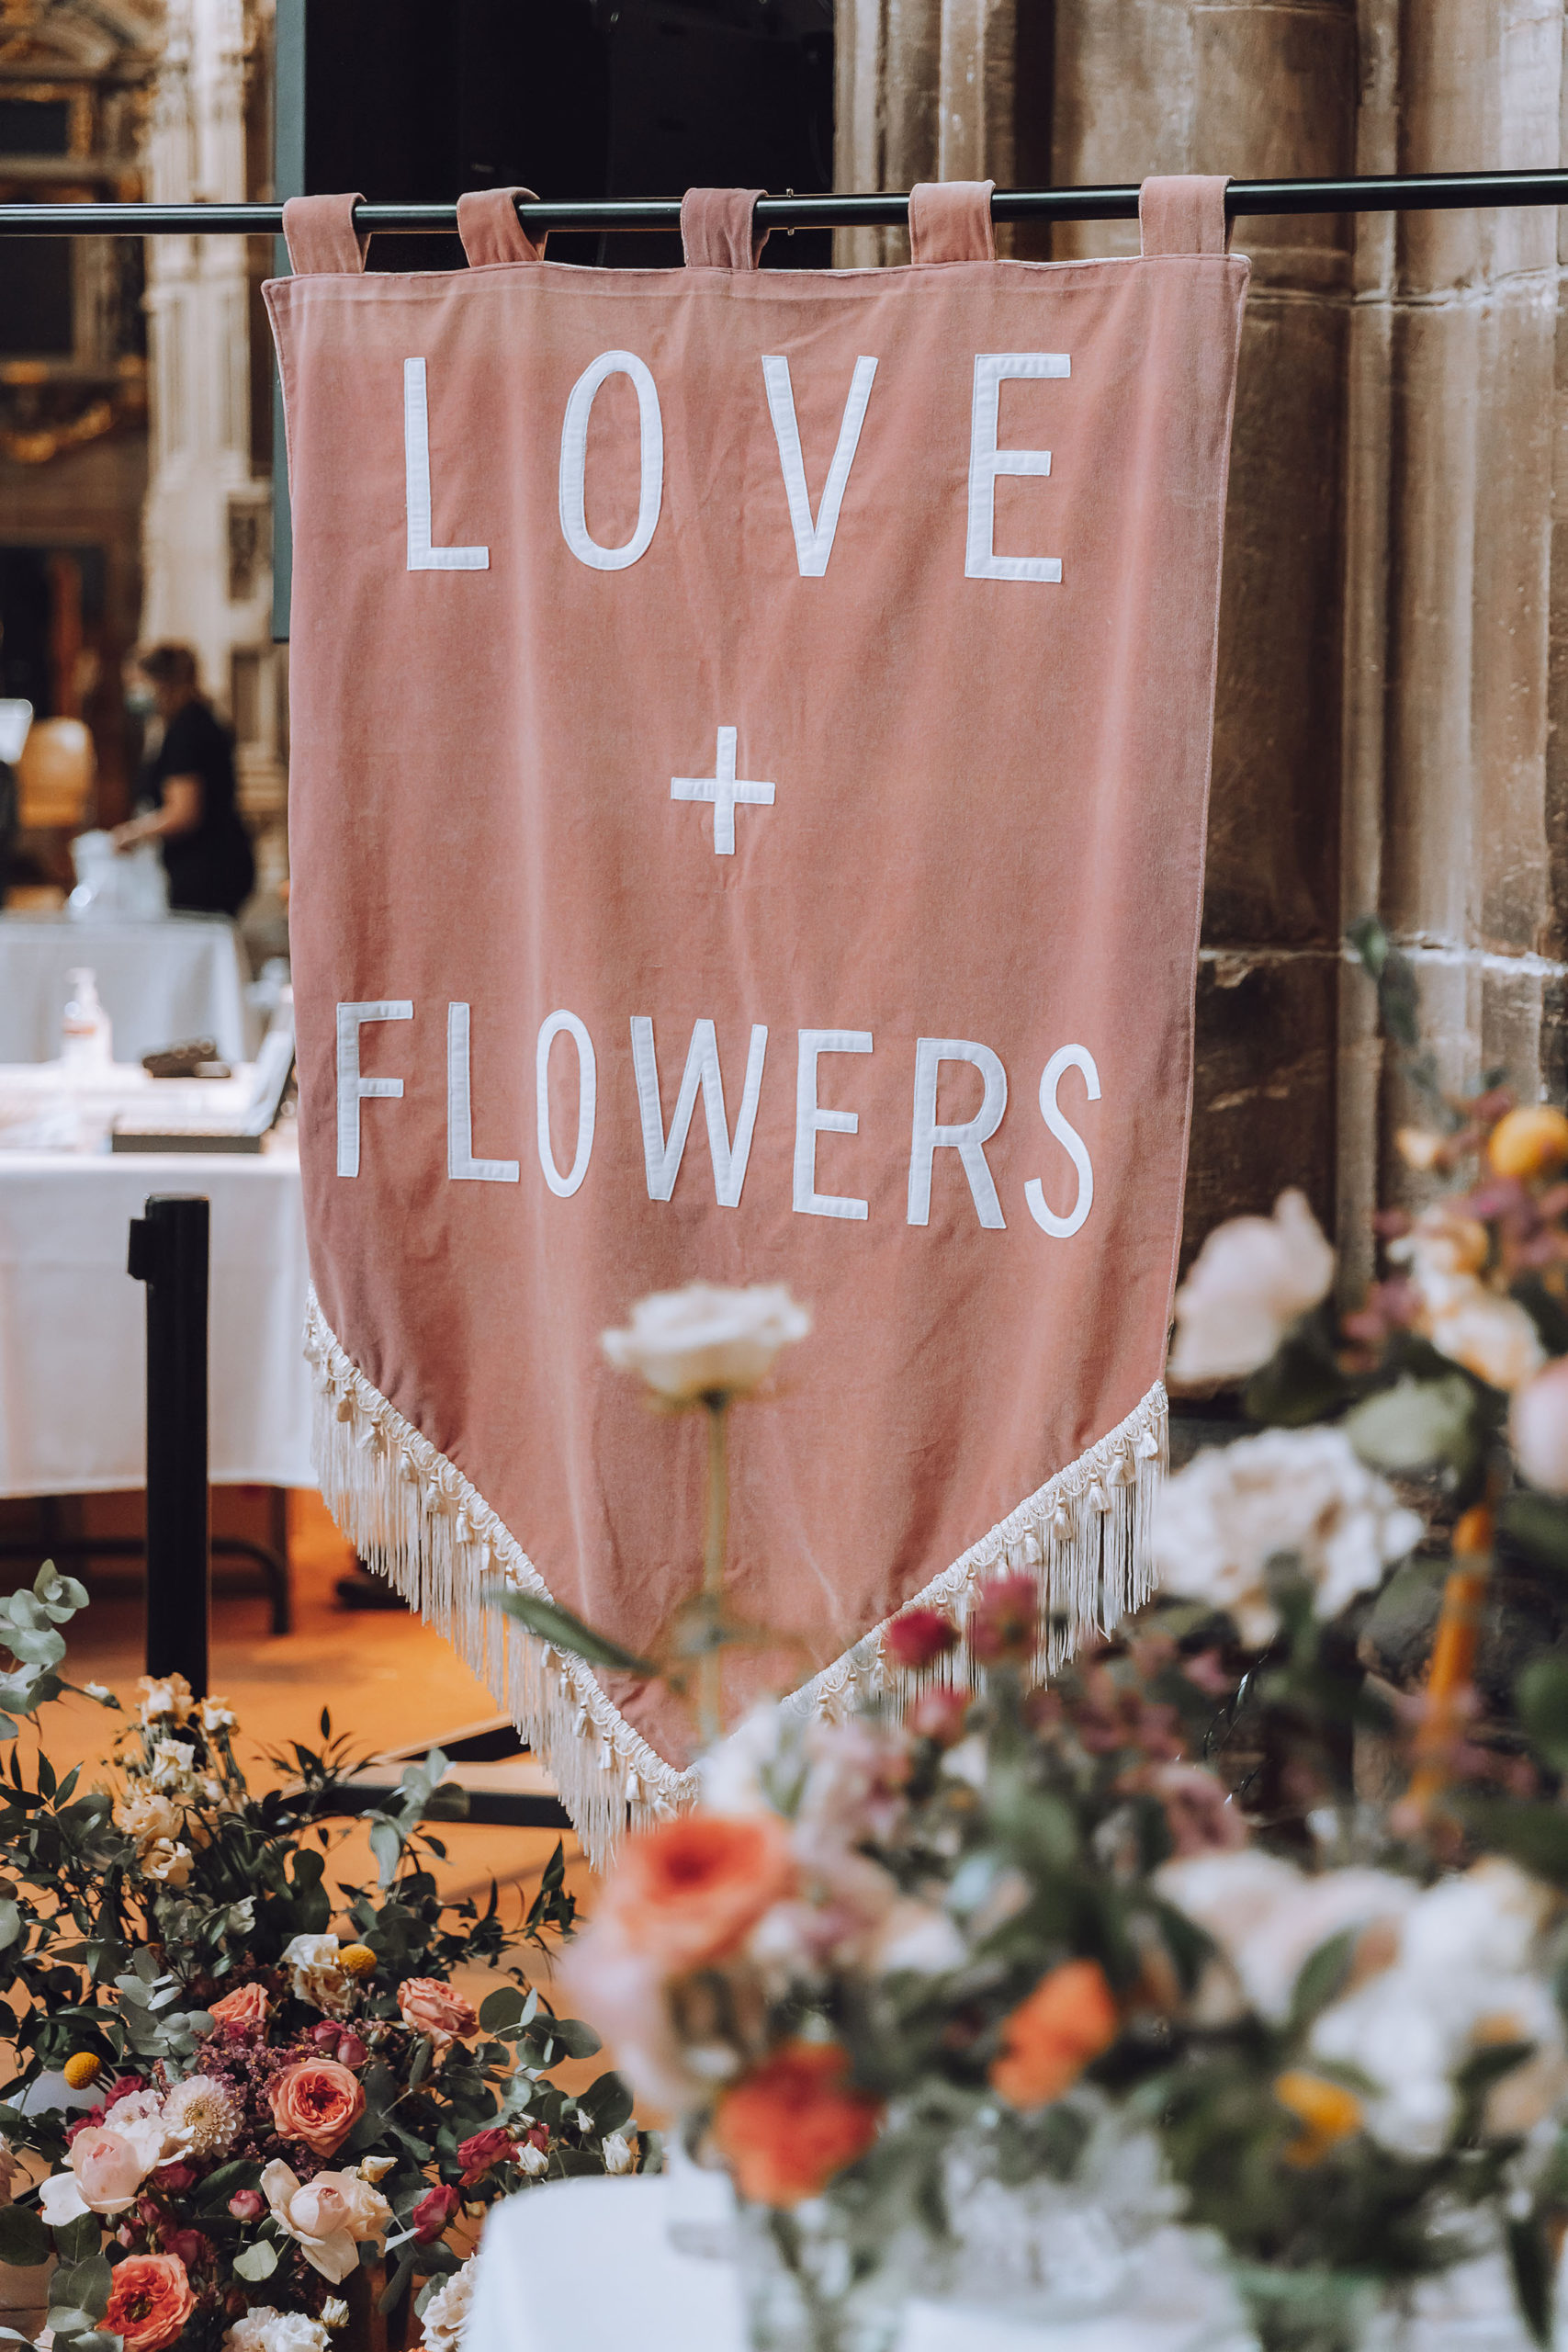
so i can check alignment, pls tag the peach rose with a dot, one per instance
(687, 1893)
(317, 2102)
(327, 2218)
(430, 2006)
(244, 2010)
(149, 2301)
(1050, 2038)
(787, 2127)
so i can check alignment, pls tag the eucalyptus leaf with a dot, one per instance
(1415, 1424)
(549, 1623)
(23, 2237)
(257, 2262)
(501, 2008)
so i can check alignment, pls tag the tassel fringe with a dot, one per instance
(412, 1515)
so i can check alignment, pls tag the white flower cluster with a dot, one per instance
(1251, 1280)
(1492, 1336)
(1435, 1974)
(265, 2330)
(446, 2313)
(707, 1340)
(1298, 1491)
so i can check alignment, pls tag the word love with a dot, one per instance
(814, 534)
(731, 1150)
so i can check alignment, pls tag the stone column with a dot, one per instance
(207, 530)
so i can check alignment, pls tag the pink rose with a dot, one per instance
(330, 2217)
(431, 2006)
(351, 2051)
(244, 2010)
(433, 2212)
(247, 2205)
(317, 2102)
(108, 2169)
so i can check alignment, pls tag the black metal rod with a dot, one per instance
(1419, 192)
(169, 1248)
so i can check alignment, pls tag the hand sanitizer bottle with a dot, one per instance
(86, 1040)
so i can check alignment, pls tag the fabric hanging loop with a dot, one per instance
(951, 220)
(321, 234)
(491, 231)
(718, 228)
(1184, 214)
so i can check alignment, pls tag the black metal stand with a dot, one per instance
(169, 1253)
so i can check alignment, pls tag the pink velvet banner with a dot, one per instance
(750, 737)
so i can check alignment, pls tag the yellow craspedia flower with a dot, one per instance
(1327, 2111)
(82, 2068)
(1529, 1142)
(357, 1959)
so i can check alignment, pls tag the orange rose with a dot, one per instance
(149, 2301)
(688, 1891)
(242, 2011)
(317, 2102)
(787, 2127)
(430, 2006)
(1050, 2038)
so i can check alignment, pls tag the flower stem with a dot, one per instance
(709, 1676)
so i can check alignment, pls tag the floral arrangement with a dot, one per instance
(1228, 1968)
(241, 2105)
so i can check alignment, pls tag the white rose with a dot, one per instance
(334, 2312)
(147, 1816)
(329, 2217)
(1302, 1491)
(1538, 1426)
(618, 2152)
(166, 1695)
(707, 1340)
(532, 2160)
(315, 1976)
(168, 1861)
(446, 2314)
(1269, 1918)
(1247, 1284)
(1489, 1335)
(731, 1770)
(918, 1939)
(265, 2330)
(215, 1715)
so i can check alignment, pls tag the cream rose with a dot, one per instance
(707, 1340)
(1247, 1284)
(147, 1816)
(330, 2218)
(430, 2006)
(317, 1976)
(108, 2164)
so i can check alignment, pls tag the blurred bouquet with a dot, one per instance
(239, 2106)
(1224, 1975)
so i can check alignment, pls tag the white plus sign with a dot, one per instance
(723, 790)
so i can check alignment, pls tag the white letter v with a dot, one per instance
(814, 540)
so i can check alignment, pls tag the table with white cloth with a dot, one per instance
(181, 977)
(72, 1371)
(590, 2263)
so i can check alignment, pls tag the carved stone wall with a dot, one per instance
(1394, 661)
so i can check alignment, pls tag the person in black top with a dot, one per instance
(185, 793)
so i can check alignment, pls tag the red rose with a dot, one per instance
(920, 1638)
(351, 2051)
(189, 2245)
(317, 2102)
(325, 2034)
(149, 2301)
(1004, 1621)
(484, 2150)
(433, 2212)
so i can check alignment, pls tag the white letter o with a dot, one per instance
(564, 1186)
(574, 461)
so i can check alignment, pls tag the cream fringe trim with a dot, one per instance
(411, 1515)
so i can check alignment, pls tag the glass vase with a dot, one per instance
(804, 2289)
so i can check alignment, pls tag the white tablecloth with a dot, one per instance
(159, 983)
(589, 2263)
(72, 1322)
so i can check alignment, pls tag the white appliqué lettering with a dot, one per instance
(1064, 1058)
(725, 789)
(967, 1138)
(461, 1165)
(992, 368)
(662, 1158)
(353, 1090)
(574, 461)
(568, 1025)
(814, 540)
(811, 1120)
(422, 557)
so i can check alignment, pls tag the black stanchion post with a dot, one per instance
(169, 1253)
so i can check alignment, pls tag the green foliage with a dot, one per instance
(558, 1627)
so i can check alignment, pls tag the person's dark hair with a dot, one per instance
(170, 666)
